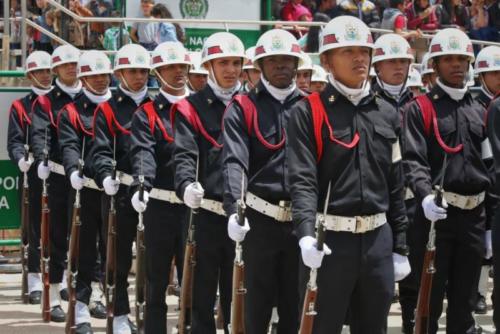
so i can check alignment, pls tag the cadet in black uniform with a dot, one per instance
(152, 146)
(251, 74)
(38, 72)
(112, 123)
(258, 150)
(75, 130)
(348, 137)
(197, 75)
(392, 59)
(449, 122)
(45, 113)
(197, 122)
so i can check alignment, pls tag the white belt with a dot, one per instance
(124, 178)
(89, 183)
(213, 206)
(464, 202)
(164, 195)
(56, 168)
(357, 224)
(409, 194)
(281, 212)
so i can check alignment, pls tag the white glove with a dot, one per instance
(234, 230)
(24, 165)
(311, 256)
(43, 171)
(140, 206)
(193, 195)
(401, 266)
(76, 181)
(110, 185)
(487, 243)
(431, 211)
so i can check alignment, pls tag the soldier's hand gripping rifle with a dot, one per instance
(74, 251)
(140, 274)
(239, 291)
(424, 294)
(45, 239)
(186, 301)
(111, 254)
(309, 307)
(25, 223)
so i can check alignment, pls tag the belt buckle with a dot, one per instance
(283, 214)
(361, 224)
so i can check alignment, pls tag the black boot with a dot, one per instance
(481, 307)
(57, 314)
(35, 297)
(84, 328)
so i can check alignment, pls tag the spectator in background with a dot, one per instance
(480, 24)
(395, 19)
(493, 7)
(166, 31)
(42, 41)
(111, 40)
(421, 15)
(310, 42)
(15, 29)
(144, 33)
(295, 11)
(455, 14)
(364, 10)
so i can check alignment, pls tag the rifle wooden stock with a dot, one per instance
(424, 294)
(74, 253)
(111, 267)
(238, 299)
(308, 311)
(185, 314)
(25, 223)
(45, 253)
(140, 278)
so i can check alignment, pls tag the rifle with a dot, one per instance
(424, 294)
(239, 291)
(186, 307)
(111, 253)
(25, 223)
(309, 307)
(74, 250)
(140, 274)
(45, 241)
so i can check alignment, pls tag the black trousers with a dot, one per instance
(59, 204)
(163, 232)
(495, 238)
(35, 209)
(459, 254)
(408, 287)
(91, 217)
(126, 231)
(357, 277)
(214, 268)
(271, 256)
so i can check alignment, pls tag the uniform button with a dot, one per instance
(120, 99)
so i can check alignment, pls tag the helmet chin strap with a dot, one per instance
(164, 82)
(92, 89)
(38, 83)
(485, 87)
(125, 83)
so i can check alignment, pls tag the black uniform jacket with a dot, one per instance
(493, 126)
(43, 120)
(459, 123)
(398, 104)
(103, 149)
(152, 146)
(365, 180)
(190, 144)
(265, 167)
(19, 124)
(72, 131)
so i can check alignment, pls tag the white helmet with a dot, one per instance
(250, 53)
(345, 31)
(391, 46)
(37, 60)
(222, 45)
(196, 67)
(319, 74)
(470, 77)
(277, 42)
(414, 78)
(65, 54)
(488, 60)
(169, 53)
(93, 62)
(132, 56)
(426, 66)
(307, 64)
(451, 41)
